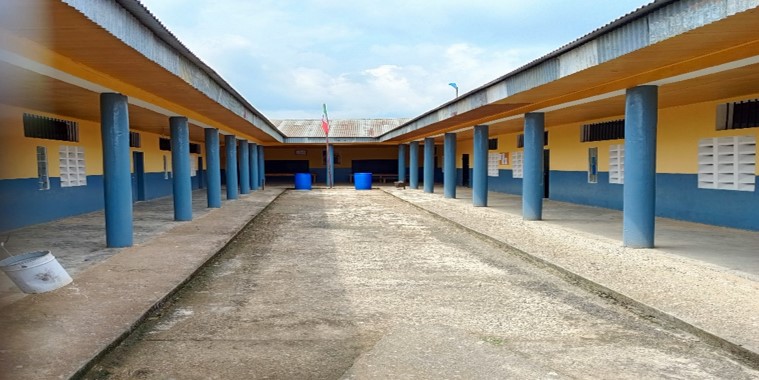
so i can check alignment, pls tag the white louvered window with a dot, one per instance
(727, 163)
(71, 160)
(617, 164)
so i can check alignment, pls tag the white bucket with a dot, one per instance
(35, 272)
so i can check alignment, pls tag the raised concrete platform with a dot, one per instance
(703, 279)
(56, 334)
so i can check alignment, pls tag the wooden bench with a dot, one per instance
(380, 177)
(400, 184)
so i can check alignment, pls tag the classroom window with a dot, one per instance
(727, 163)
(738, 115)
(493, 144)
(165, 168)
(194, 148)
(42, 127)
(592, 165)
(42, 172)
(607, 130)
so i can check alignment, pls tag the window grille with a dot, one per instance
(43, 127)
(738, 115)
(608, 130)
(134, 140)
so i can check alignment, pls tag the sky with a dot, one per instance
(371, 58)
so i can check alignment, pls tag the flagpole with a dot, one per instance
(328, 157)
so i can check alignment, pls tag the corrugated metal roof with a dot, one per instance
(351, 128)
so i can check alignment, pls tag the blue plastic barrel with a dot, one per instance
(363, 181)
(302, 181)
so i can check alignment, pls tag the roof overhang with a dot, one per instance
(678, 45)
(62, 54)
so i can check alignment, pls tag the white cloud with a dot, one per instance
(371, 59)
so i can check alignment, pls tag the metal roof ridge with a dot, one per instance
(143, 14)
(623, 20)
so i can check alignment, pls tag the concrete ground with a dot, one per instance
(337, 283)
(717, 301)
(728, 248)
(56, 334)
(79, 242)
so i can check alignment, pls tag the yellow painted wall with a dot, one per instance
(569, 154)
(507, 144)
(681, 128)
(678, 133)
(18, 157)
(18, 154)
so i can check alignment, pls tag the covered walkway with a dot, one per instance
(729, 248)
(718, 300)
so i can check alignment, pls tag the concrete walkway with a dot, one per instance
(717, 299)
(331, 284)
(54, 335)
(73, 325)
(727, 248)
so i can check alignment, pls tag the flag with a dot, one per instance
(325, 121)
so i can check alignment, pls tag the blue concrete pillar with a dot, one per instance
(243, 157)
(413, 167)
(429, 165)
(253, 165)
(480, 171)
(331, 166)
(180, 166)
(261, 167)
(402, 162)
(449, 165)
(213, 168)
(639, 192)
(532, 183)
(117, 176)
(231, 147)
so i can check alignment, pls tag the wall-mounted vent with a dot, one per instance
(738, 115)
(164, 143)
(520, 140)
(608, 130)
(42, 127)
(134, 140)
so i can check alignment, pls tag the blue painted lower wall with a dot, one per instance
(677, 197)
(22, 204)
(504, 183)
(573, 187)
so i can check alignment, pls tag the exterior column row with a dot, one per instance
(117, 176)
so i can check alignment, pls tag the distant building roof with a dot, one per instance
(338, 128)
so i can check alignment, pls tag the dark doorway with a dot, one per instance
(138, 176)
(546, 172)
(465, 170)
